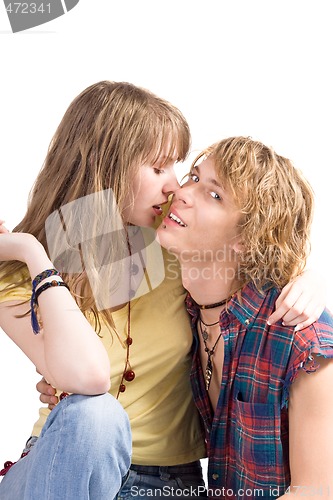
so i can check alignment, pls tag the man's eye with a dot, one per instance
(215, 195)
(194, 177)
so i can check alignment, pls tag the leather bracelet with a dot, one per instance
(47, 285)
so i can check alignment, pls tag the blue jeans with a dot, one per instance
(83, 453)
(178, 481)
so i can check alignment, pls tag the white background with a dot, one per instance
(259, 68)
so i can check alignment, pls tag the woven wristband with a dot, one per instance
(45, 274)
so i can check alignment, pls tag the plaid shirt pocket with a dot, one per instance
(257, 436)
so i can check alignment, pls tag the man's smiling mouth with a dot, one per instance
(177, 219)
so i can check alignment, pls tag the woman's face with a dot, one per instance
(152, 186)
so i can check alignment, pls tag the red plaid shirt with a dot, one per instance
(247, 437)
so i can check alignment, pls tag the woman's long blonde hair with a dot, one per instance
(276, 203)
(106, 134)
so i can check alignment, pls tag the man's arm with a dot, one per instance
(311, 433)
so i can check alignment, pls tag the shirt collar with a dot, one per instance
(245, 304)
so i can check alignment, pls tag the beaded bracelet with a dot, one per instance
(47, 285)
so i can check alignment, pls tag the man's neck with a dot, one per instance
(209, 282)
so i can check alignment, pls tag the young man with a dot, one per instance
(240, 229)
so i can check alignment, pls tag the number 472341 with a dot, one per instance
(28, 8)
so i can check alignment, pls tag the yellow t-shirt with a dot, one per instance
(165, 424)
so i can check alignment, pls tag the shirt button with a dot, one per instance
(215, 476)
(247, 321)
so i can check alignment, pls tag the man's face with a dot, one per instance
(202, 222)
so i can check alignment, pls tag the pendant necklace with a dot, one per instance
(204, 333)
(210, 352)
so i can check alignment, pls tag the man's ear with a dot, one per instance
(238, 246)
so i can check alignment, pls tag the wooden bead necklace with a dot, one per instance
(128, 374)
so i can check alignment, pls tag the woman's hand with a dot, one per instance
(3, 229)
(301, 302)
(17, 246)
(23, 247)
(47, 393)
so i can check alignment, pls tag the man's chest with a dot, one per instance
(211, 354)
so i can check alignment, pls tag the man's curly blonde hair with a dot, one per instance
(276, 203)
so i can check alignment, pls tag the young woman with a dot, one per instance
(107, 175)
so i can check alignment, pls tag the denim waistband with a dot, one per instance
(173, 470)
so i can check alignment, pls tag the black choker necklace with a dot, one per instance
(212, 306)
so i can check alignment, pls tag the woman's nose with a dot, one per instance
(172, 183)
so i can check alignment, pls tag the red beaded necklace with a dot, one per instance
(128, 374)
